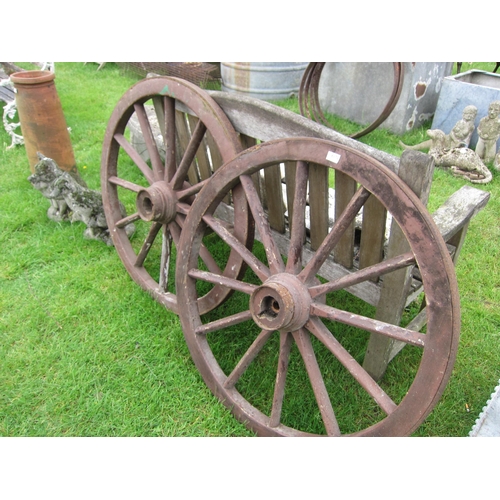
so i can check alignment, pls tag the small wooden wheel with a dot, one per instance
(285, 353)
(178, 137)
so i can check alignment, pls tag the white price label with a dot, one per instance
(333, 157)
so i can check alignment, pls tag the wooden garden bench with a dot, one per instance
(258, 120)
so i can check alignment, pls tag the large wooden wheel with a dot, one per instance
(150, 178)
(285, 352)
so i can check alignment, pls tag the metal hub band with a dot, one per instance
(281, 303)
(157, 203)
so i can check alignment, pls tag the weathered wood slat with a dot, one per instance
(266, 121)
(318, 202)
(371, 247)
(290, 169)
(345, 187)
(7, 95)
(274, 198)
(248, 142)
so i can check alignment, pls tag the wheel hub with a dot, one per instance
(157, 203)
(281, 303)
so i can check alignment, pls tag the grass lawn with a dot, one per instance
(85, 352)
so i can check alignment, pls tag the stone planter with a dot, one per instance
(475, 87)
(42, 120)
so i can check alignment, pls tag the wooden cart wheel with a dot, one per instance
(289, 360)
(178, 124)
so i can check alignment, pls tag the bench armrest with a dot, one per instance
(459, 209)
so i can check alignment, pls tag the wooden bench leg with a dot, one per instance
(390, 308)
(416, 170)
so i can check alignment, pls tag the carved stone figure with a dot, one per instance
(463, 162)
(71, 200)
(460, 134)
(489, 132)
(44, 178)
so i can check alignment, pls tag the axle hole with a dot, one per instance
(147, 205)
(270, 307)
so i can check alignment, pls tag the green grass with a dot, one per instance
(85, 352)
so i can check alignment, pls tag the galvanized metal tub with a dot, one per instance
(269, 81)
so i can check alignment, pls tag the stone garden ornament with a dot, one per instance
(463, 162)
(71, 200)
(489, 131)
(460, 134)
(452, 151)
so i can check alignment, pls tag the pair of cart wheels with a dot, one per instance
(273, 342)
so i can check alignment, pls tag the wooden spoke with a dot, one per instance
(183, 209)
(365, 274)
(247, 358)
(219, 324)
(209, 260)
(319, 330)
(368, 324)
(340, 226)
(255, 264)
(205, 254)
(125, 184)
(188, 158)
(286, 340)
(175, 228)
(148, 243)
(303, 342)
(166, 252)
(218, 279)
(127, 220)
(294, 262)
(149, 139)
(135, 157)
(272, 251)
(190, 191)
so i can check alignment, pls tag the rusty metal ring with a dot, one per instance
(309, 100)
